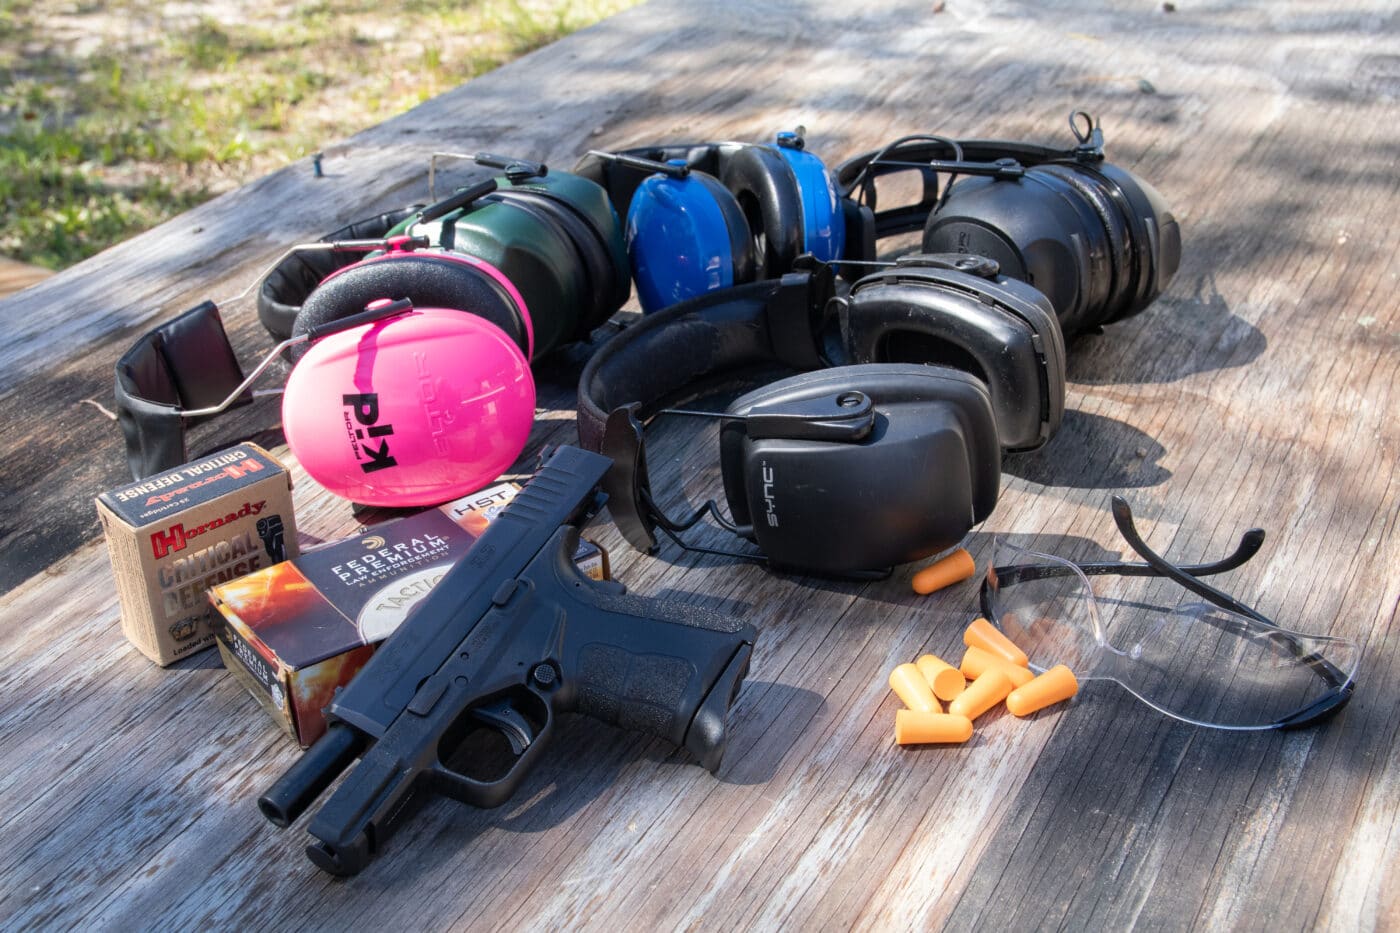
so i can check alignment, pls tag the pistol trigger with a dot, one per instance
(508, 721)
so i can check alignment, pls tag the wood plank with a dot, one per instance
(1260, 390)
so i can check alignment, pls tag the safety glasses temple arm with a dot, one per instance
(1334, 677)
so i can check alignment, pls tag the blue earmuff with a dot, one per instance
(716, 215)
(823, 222)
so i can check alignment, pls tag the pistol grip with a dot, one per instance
(654, 666)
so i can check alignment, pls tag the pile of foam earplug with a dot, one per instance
(997, 671)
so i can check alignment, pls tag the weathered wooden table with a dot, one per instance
(1260, 390)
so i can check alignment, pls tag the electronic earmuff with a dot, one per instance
(1099, 241)
(708, 216)
(844, 470)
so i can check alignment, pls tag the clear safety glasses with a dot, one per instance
(1177, 643)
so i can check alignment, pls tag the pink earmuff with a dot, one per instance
(412, 410)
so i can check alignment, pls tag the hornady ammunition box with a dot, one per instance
(295, 632)
(174, 535)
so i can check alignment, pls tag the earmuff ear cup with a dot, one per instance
(764, 187)
(1098, 241)
(588, 265)
(522, 236)
(411, 410)
(284, 289)
(1122, 268)
(928, 470)
(588, 201)
(997, 329)
(1031, 229)
(686, 237)
(1156, 235)
(427, 280)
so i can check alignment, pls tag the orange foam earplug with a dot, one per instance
(976, 662)
(945, 679)
(915, 728)
(1054, 685)
(983, 634)
(954, 568)
(909, 684)
(982, 694)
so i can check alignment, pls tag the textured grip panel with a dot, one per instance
(639, 692)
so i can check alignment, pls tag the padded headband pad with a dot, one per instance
(426, 280)
(184, 364)
(284, 289)
(858, 172)
(651, 362)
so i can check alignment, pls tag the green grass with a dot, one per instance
(114, 118)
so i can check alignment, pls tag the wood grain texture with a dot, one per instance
(1260, 390)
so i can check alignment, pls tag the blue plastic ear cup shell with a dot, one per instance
(823, 220)
(685, 237)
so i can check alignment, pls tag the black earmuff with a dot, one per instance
(709, 216)
(860, 467)
(957, 311)
(843, 471)
(1100, 242)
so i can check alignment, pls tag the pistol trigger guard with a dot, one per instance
(506, 719)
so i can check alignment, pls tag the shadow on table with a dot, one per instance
(1177, 336)
(1093, 452)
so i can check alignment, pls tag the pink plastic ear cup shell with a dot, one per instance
(483, 265)
(413, 410)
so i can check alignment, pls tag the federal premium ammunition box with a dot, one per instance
(174, 535)
(294, 633)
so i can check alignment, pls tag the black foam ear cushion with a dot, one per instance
(597, 267)
(1000, 330)
(1156, 235)
(767, 193)
(741, 246)
(1120, 241)
(427, 280)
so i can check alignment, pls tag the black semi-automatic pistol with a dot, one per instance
(512, 636)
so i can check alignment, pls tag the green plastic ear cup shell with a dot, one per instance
(589, 201)
(558, 238)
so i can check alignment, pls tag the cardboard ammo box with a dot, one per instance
(295, 632)
(174, 535)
